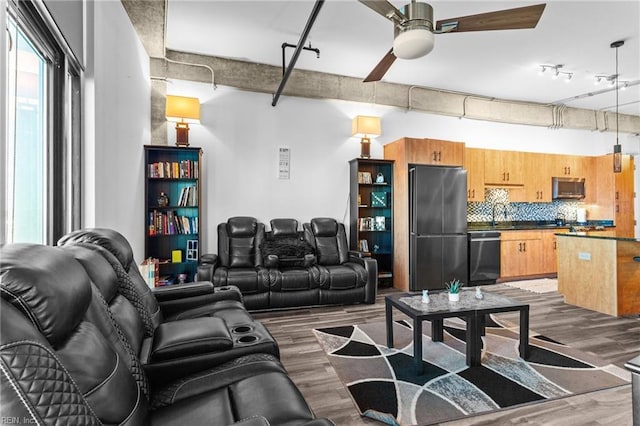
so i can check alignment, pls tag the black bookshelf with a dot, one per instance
(371, 213)
(172, 220)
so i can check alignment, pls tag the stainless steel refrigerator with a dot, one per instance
(437, 226)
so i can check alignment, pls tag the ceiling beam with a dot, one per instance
(311, 84)
(148, 19)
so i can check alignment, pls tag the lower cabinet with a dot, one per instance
(550, 252)
(521, 253)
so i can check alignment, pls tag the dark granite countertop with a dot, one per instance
(599, 237)
(537, 225)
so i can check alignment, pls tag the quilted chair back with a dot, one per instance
(239, 241)
(62, 367)
(119, 253)
(329, 239)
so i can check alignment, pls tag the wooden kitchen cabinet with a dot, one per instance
(537, 183)
(434, 151)
(474, 164)
(550, 251)
(521, 254)
(568, 166)
(503, 168)
(615, 194)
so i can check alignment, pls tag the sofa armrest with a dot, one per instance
(252, 421)
(182, 291)
(359, 254)
(206, 265)
(189, 337)
(172, 307)
(371, 267)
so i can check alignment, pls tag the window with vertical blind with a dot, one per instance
(42, 125)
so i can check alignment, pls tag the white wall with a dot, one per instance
(116, 123)
(240, 133)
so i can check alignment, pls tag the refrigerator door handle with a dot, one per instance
(412, 207)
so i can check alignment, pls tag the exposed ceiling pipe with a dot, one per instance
(303, 38)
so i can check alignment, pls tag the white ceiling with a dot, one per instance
(504, 64)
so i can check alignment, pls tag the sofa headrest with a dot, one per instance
(48, 285)
(284, 227)
(111, 240)
(324, 227)
(242, 226)
(94, 260)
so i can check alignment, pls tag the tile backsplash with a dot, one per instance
(498, 198)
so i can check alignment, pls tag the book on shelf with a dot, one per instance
(380, 223)
(149, 270)
(188, 196)
(165, 280)
(185, 169)
(364, 177)
(170, 223)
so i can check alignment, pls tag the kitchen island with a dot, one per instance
(601, 273)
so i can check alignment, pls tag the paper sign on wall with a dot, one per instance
(284, 162)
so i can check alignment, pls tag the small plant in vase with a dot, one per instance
(453, 287)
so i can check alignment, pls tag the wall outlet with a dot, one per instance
(584, 256)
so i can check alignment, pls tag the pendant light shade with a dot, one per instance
(617, 149)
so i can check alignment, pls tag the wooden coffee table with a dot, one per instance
(473, 310)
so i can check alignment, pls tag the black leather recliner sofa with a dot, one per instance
(328, 273)
(66, 359)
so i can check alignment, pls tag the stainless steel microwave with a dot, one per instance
(567, 188)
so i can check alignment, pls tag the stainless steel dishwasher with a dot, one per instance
(484, 257)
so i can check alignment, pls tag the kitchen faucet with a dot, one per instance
(493, 212)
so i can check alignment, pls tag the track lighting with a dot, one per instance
(556, 72)
(610, 80)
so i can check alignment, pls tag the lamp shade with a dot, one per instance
(366, 126)
(182, 109)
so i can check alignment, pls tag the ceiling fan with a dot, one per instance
(414, 30)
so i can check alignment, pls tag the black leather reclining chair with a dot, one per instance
(63, 360)
(238, 262)
(174, 348)
(343, 276)
(177, 301)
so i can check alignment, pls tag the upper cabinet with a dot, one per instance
(537, 182)
(474, 164)
(503, 168)
(433, 151)
(569, 166)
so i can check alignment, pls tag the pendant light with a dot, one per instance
(617, 149)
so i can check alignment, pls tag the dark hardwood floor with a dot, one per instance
(615, 340)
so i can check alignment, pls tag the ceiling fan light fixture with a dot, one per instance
(412, 44)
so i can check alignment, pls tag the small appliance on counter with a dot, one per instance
(581, 215)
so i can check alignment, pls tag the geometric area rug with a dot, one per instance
(384, 386)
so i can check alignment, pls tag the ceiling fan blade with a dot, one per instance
(385, 9)
(510, 19)
(381, 69)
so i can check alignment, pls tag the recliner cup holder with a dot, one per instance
(247, 339)
(242, 329)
